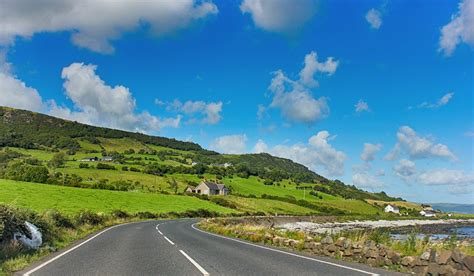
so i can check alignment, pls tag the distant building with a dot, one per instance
(209, 188)
(391, 209)
(107, 159)
(190, 189)
(427, 213)
(426, 207)
(90, 159)
(194, 163)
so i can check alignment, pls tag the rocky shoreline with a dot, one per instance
(398, 226)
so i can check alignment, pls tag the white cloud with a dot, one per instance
(441, 102)
(380, 172)
(446, 177)
(374, 17)
(260, 147)
(405, 169)
(417, 147)
(211, 111)
(294, 98)
(97, 103)
(15, 93)
(313, 66)
(317, 154)
(95, 23)
(365, 180)
(361, 106)
(280, 16)
(231, 144)
(368, 154)
(459, 29)
(261, 111)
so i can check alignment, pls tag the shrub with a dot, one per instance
(88, 217)
(133, 169)
(146, 215)
(120, 214)
(83, 166)
(60, 220)
(102, 166)
(125, 168)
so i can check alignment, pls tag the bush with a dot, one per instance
(133, 169)
(88, 217)
(125, 168)
(102, 166)
(120, 214)
(146, 215)
(83, 166)
(60, 220)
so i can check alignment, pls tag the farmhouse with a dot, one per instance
(107, 159)
(190, 189)
(391, 209)
(90, 159)
(209, 188)
(427, 213)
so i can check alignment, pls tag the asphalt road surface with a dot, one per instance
(177, 247)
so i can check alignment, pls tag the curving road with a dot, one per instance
(176, 247)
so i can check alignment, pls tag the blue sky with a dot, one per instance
(396, 76)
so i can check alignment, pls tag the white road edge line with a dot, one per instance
(168, 240)
(287, 253)
(160, 232)
(71, 249)
(203, 271)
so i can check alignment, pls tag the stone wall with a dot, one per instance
(431, 262)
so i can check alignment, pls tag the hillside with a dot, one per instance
(42, 149)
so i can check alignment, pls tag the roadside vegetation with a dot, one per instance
(374, 247)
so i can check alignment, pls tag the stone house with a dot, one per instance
(209, 188)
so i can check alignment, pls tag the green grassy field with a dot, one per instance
(41, 197)
(268, 206)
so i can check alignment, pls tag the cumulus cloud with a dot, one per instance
(368, 154)
(294, 98)
(210, 112)
(374, 18)
(95, 23)
(260, 147)
(446, 177)
(279, 16)
(405, 169)
(317, 154)
(361, 106)
(15, 93)
(97, 103)
(459, 29)
(366, 180)
(230, 144)
(441, 102)
(313, 66)
(417, 147)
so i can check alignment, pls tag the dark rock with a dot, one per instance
(420, 270)
(469, 262)
(331, 248)
(443, 257)
(433, 255)
(347, 253)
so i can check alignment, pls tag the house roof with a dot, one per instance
(214, 186)
(393, 206)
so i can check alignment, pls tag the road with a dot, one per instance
(177, 247)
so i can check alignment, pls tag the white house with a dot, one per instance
(427, 213)
(209, 188)
(391, 209)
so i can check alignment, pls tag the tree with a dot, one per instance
(173, 185)
(58, 160)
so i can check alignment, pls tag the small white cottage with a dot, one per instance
(391, 209)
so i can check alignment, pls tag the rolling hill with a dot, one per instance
(39, 148)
